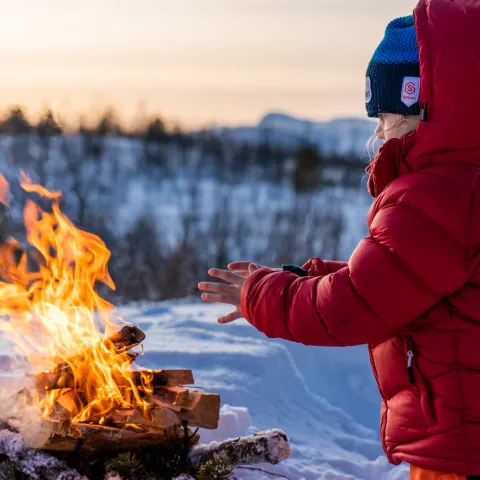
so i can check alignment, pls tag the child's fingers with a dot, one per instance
(239, 265)
(243, 273)
(217, 298)
(227, 276)
(218, 288)
(231, 317)
(253, 267)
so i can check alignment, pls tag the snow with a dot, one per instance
(34, 463)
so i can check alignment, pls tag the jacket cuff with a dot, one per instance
(299, 271)
(316, 267)
(244, 295)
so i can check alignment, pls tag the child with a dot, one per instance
(411, 290)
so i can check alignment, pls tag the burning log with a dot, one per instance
(46, 381)
(158, 378)
(198, 408)
(271, 447)
(127, 338)
(84, 438)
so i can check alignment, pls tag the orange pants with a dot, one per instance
(417, 473)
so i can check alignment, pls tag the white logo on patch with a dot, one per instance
(368, 91)
(410, 90)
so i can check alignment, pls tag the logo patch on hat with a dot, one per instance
(410, 90)
(368, 91)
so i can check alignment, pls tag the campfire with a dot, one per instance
(84, 393)
(84, 390)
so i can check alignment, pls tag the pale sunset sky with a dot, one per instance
(197, 62)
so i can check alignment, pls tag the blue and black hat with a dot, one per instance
(393, 76)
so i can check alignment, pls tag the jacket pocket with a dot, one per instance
(416, 378)
(384, 408)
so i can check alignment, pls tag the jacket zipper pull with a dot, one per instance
(410, 355)
(424, 113)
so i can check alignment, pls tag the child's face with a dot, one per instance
(391, 125)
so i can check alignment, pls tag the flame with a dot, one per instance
(4, 190)
(55, 317)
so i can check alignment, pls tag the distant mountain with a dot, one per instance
(343, 136)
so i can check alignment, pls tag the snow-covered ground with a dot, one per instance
(325, 399)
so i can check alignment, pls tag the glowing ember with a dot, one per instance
(56, 318)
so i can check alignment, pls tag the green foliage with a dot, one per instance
(149, 464)
(164, 466)
(128, 465)
(215, 470)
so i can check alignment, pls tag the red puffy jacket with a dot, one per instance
(411, 290)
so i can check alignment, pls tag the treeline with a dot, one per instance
(304, 166)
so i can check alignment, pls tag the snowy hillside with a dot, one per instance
(266, 384)
(346, 136)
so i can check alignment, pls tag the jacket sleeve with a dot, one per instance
(404, 268)
(317, 267)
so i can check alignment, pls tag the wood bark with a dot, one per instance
(127, 338)
(271, 447)
(84, 438)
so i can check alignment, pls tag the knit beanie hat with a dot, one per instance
(393, 76)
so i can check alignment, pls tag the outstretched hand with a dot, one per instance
(228, 293)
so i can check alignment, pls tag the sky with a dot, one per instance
(195, 62)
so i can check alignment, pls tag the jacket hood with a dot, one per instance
(448, 35)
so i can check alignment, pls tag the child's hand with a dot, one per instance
(242, 267)
(229, 294)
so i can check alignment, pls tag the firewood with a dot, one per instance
(271, 446)
(177, 396)
(50, 435)
(85, 438)
(203, 410)
(127, 338)
(45, 381)
(199, 409)
(157, 417)
(67, 406)
(159, 378)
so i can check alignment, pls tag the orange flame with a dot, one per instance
(55, 316)
(4, 190)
